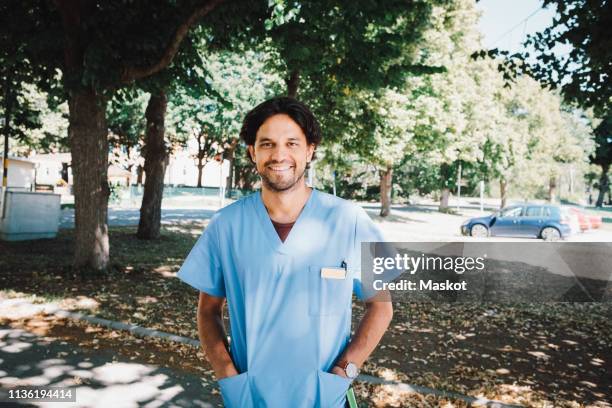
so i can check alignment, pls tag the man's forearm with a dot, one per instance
(214, 343)
(371, 328)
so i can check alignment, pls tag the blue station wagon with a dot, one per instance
(548, 222)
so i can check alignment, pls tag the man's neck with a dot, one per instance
(285, 206)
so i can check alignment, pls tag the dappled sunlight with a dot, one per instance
(192, 228)
(388, 374)
(79, 302)
(13, 347)
(166, 271)
(121, 373)
(99, 380)
(539, 355)
(143, 300)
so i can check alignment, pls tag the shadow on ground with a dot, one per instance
(99, 380)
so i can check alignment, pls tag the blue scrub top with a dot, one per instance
(288, 324)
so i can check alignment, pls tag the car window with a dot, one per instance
(546, 212)
(533, 212)
(511, 212)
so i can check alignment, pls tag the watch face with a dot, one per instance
(351, 370)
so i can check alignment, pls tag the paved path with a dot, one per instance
(421, 222)
(105, 380)
(130, 216)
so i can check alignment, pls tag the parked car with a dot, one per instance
(586, 221)
(583, 220)
(548, 222)
(575, 220)
(594, 220)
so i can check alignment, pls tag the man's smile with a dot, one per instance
(280, 168)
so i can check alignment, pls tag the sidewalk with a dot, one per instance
(100, 379)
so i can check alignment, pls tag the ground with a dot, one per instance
(541, 355)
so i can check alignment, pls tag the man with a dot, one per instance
(287, 259)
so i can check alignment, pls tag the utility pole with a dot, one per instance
(8, 105)
(458, 186)
(5, 157)
(482, 195)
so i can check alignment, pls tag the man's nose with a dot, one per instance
(279, 153)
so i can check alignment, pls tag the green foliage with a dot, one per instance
(584, 73)
(235, 83)
(356, 44)
(603, 140)
(126, 118)
(37, 124)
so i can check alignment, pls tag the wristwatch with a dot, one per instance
(350, 369)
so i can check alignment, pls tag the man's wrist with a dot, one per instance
(338, 371)
(228, 370)
(349, 368)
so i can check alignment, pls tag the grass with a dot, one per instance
(533, 354)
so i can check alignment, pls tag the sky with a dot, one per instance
(505, 24)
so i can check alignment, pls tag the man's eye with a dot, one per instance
(293, 144)
(265, 144)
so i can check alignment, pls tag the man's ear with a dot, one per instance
(311, 150)
(251, 150)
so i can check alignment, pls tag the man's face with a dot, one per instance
(281, 153)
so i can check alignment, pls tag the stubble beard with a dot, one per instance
(281, 185)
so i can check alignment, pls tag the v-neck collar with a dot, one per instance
(266, 223)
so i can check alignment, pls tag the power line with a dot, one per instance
(523, 21)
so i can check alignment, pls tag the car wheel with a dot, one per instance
(551, 234)
(479, 231)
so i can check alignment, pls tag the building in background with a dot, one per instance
(21, 173)
(183, 171)
(53, 169)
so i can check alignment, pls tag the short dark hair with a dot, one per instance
(296, 110)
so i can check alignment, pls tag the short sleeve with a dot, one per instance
(365, 231)
(202, 267)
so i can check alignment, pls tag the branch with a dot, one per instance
(130, 74)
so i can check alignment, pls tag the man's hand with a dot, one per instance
(338, 371)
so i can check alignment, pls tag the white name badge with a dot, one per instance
(333, 273)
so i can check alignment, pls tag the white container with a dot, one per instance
(29, 215)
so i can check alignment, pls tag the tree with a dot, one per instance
(126, 124)
(38, 124)
(452, 108)
(212, 115)
(584, 72)
(603, 156)
(356, 44)
(377, 134)
(100, 47)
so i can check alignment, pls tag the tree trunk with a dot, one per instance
(246, 180)
(445, 175)
(155, 168)
(139, 172)
(229, 185)
(200, 171)
(293, 83)
(552, 189)
(89, 147)
(386, 180)
(503, 187)
(444, 199)
(604, 185)
(8, 105)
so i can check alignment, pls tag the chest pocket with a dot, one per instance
(327, 296)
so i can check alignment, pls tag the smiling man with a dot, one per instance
(287, 260)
